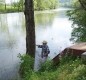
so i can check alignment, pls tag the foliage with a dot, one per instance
(70, 3)
(78, 17)
(75, 3)
(45, 4)
(26, 65)
(47, 66)
(70, 68)
(79, 21)
(19, 6)
(9, 9)
(40, 4)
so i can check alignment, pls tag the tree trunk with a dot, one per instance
(22, 4)
(5, 6)
(30, 28)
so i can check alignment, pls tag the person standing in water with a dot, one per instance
(45, 50)
(39, 59)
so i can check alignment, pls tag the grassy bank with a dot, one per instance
(69, 68)
(39, 5)
(10, 9)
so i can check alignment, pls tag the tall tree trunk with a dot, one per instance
(5, 6)
(22, 4)
(30, 28)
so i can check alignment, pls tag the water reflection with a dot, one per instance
(11, 28)
(12, 42)
(44, 20)
(52, 26)
(55, 28)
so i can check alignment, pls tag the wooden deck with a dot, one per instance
(75, 50)
(79, 46)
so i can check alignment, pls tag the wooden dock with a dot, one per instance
(75, 50)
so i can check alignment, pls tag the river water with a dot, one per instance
(52, 26)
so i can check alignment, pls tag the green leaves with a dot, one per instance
(26, 65)
(45, 4)
(78, 17)
(70, 68)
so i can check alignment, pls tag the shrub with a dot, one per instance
(70, 68)
(26, 65)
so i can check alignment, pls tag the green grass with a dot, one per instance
(10, 9)
(70, 68)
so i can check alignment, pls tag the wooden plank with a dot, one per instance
(75, 50)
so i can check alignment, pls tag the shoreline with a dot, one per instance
(44, 11)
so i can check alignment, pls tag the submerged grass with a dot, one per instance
(70, 68)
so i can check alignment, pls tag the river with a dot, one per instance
(52, 26)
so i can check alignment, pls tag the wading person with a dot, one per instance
(45, 50)
(39, 59)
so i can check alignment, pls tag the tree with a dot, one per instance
(78, 16)
(75, 3)
(45, 4)
(3, 3)
(83, 4)
(41, 4)
(20, 3)
(30, 28)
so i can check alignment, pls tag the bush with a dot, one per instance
(26, 69)
(70, 68)
(26, 66)
(47, 66)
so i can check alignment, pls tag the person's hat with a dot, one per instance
(44, 42)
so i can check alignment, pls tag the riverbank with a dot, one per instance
(16, 9)
(37, 11)
(2, 11)
(70, 68)
(19, 5)
(9, 10)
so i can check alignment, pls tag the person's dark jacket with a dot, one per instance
(45, 50)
